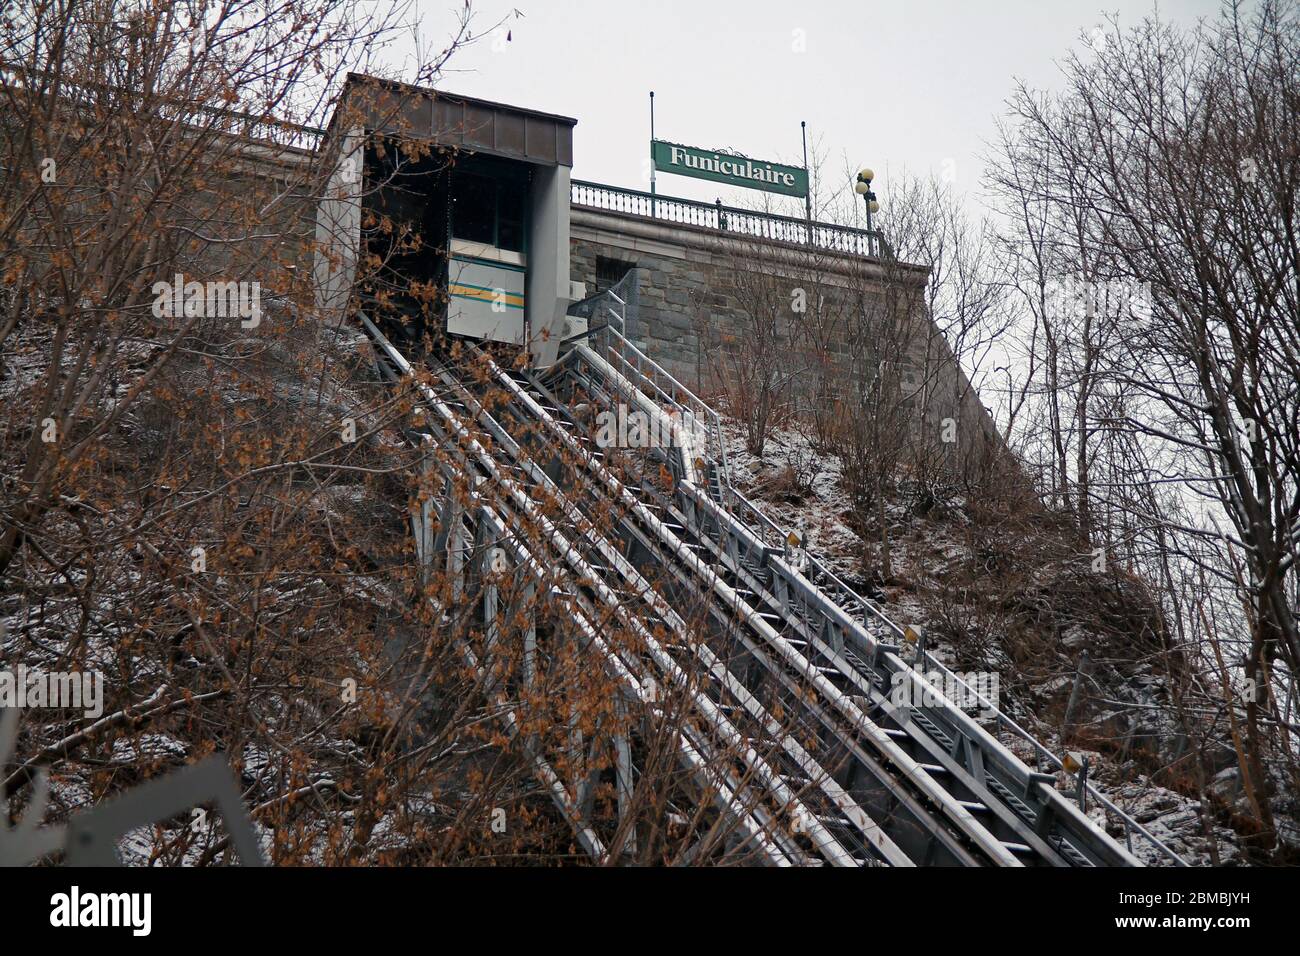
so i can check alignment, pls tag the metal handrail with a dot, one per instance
(694, 746)
(651, 373)
(1002, 721)
(641, 364)
(732, 219)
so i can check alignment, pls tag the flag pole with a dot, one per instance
(807, 196)
(652, 153)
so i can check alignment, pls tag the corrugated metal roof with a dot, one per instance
(450, 119)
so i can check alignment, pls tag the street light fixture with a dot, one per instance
(863, 188)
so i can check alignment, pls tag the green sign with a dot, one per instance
(729, 168)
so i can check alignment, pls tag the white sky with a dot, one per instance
(910, 84)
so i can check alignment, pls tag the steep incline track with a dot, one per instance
(800, 738)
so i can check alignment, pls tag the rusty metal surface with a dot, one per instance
(464, 122)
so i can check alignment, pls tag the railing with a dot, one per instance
(643, 370)
(925, 662)
(263, 130)
(730, 219)
(629, 360)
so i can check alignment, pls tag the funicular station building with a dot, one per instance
(472, 225)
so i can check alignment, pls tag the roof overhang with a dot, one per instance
(456, 121)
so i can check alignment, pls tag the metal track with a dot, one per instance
(651, 387)
(957, 765)
(796, 689)
(762, 791)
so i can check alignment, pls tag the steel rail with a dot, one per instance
(654, 379)
(869, 830)
(1049, 806)
(640, 691)
(1043, 804)
(909, 769)
(1062, 812)
(708, 765)
(676, 677)
(821, 837)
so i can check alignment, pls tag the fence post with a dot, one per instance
(1076, 692)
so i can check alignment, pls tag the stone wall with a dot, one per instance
(688, 310)
(691, 309)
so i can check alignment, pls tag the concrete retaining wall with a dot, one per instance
(691, 309)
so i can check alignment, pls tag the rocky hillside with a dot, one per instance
(995, 585)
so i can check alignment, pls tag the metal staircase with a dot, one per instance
(795, 735)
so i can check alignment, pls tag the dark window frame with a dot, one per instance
(502, 186)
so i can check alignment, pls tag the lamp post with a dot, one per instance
(863, 188)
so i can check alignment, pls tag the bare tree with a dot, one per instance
(1163, 181)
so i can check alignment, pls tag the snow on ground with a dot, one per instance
(924, 550)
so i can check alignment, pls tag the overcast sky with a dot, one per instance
(910, 84)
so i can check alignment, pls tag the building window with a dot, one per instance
(475, 212)
(510, 216)
(489, 210)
